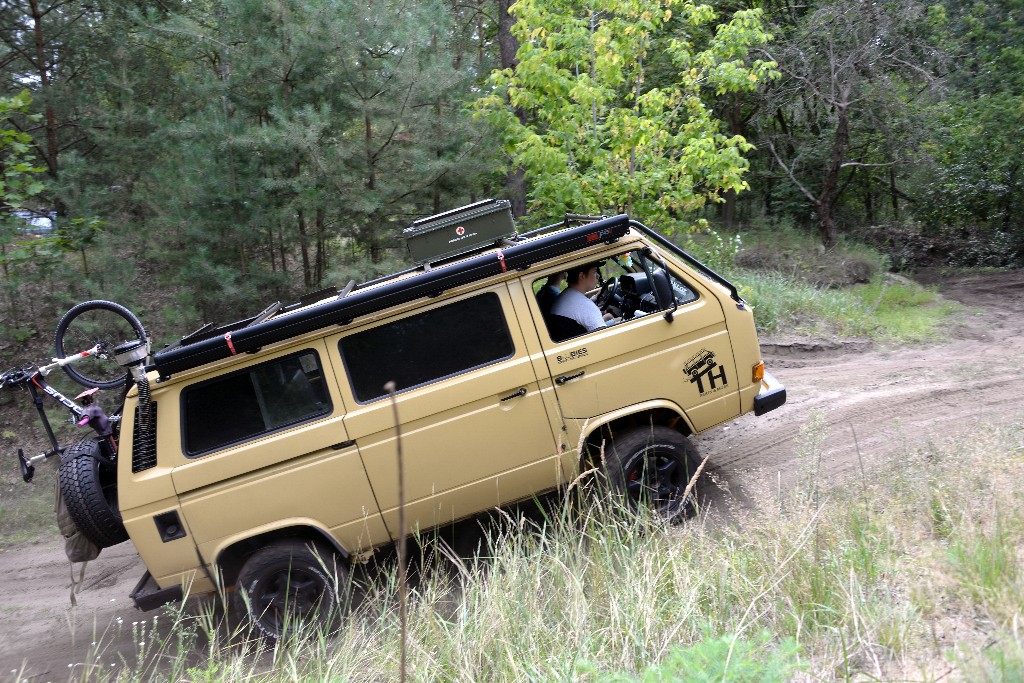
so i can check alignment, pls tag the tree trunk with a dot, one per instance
(283, 252)
(826, 198)
(371, 170)
(481, 34)
(727, 208)
(307, 272)
(869, 204)
(43, 70)
(321, 245)
(515, 181)
(894, 194)
(507, 43)
(270, 244)
(438, 108)
(243, 259)
(1008, 198)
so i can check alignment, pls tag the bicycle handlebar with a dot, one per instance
(16, 376)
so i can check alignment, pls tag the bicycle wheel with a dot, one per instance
(96, 322)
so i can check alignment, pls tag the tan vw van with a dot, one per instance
(259, 455)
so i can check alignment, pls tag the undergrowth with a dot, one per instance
(911, 572)
(798, 287)
(884, 309)
(26, 512)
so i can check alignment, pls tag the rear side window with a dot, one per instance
(254, 401)
(427, 347)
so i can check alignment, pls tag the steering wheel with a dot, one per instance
(608, 293)
(630, 297)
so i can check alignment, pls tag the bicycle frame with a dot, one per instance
(36, 382)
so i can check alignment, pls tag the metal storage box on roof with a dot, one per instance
(467, 228)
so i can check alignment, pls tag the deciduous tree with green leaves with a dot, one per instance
(972, 176)
(851, 73)
(600, 135)
(19, 179)
(19, 182)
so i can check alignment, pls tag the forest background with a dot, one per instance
(196, 160)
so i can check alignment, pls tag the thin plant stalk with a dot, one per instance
(402, 581)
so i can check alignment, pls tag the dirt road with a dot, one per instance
(873, 401)
(876, 401)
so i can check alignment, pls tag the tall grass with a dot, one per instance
(26, 511)
(912, 572)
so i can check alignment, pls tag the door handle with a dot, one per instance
(568, 378)
(521, 392)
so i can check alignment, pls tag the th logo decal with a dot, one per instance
(705, 372)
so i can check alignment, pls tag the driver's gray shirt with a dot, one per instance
(573, 304)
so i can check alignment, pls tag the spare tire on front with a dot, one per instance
(89, 487)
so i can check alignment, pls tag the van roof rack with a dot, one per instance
(331, 307)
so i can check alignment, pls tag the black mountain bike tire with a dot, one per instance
(69, 340)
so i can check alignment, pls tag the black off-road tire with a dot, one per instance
(288, 583)
(651, 466)
(89, 488)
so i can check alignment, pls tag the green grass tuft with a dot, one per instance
(26, 510)
(797, 287)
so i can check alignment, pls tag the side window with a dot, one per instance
(427, 347)
(589, 296)
(254, 401)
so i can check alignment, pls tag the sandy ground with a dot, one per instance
(876, 402)
(873, 401)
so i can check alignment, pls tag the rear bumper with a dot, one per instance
(148, 595)
(771, 396)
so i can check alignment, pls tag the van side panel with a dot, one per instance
(525, 304)
(143, 496)
(307, 471)
(470, 442)
(324, 486)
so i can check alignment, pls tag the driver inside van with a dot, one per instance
(574, 303)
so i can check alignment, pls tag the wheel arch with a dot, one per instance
(231, 556)
(656, 412)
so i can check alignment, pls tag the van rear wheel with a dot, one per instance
(287, 586)
(651, 467)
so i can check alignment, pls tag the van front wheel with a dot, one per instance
(651, 467)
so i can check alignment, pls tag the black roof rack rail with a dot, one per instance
(566, 222)
(681, 253)
(242, 337)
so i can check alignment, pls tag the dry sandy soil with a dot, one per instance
(874, 402)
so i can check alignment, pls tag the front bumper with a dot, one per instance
(771, 396)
